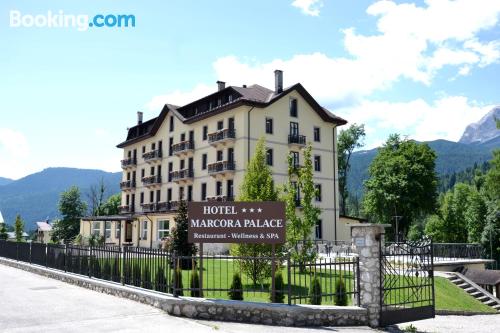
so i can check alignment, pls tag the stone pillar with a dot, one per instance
(366, 238)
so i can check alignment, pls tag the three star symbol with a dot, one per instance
(251, 210)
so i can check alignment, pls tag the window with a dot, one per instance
(107, 229)
(230, 123)
(182, 164)
(151, 196)
(319, 229)
(171, 123)
(293, 107)
(142, 197)
(295, 158)
(143, 149)
(230, 154)
(218, 188)
(203, 191)
(230, 98)
(129, 154)
(317, 163)
(183, 137)
(204, 162)
(317, 134)
(163, 227)
(205, 132)
(158, 195)
(220, 155)
(118, 230)
(220, 124)
(153, 146)
(219, 102)
(170, 144)
(294, 129)
(170, 169)
(181, 193)
(169, 195)
(143, 173)
(317, 187)
(127, 200)
(144, 231)
(269, 125)
(230, 188)
(152, 171)
(269, 156)
(190, 193)
(96, 228)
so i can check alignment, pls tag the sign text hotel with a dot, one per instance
(236, 222)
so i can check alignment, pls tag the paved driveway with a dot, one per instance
(33, 303)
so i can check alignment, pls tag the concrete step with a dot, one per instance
(490, 302)
(463, 285)
(476, 294)
(482, 298)
(470, 290)
(496, 306)
(457, 281)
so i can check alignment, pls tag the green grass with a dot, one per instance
(451, 297)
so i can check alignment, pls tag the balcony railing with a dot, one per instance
(148, 207)
(157, 207)
(221, 198)
(183, 174)
(129, 162)
(222, 135)
(126, 209)
(221, 167)
(183, 147)
(152, 155)
(128, 184)
(296, 139)
(151, 180)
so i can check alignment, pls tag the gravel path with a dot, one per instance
(469, 324)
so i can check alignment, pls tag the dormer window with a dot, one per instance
(219, 102)
(230, 98)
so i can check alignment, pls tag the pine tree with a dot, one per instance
(3, 232)
(180, 243)
(236, 290)
(315, 292)
(279, 285)
(19, 228)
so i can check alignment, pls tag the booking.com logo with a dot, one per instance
(81, 22)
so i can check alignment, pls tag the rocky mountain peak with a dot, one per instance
(484, 130)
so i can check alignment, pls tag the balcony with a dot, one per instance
(295, 139)
(221, 198)
(154, 155)
(182, 175)
(151, 180)
(129, 162)
(221, 167)
(127, 185)
(167, 206)
(222, 136)
(126, 209)
(183, 147)
(148, 207)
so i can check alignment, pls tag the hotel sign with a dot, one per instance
(236, 222)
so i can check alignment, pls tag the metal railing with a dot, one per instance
(221, 166)
(221, 135)
(457, 251)
(297, 139)
(154, 269)
(129, 162)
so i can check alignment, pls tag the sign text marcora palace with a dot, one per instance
(198, 152)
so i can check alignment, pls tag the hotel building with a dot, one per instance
(199, 152)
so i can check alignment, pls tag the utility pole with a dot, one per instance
(397, 218)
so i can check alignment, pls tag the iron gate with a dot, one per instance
(406, 282)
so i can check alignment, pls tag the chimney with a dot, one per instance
(278, 81)
(221, 85)
(139, 117)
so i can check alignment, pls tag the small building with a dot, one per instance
(43, 232)
(344, 226)
(2, 221)
(487, 279)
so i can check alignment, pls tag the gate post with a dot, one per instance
(366, 238)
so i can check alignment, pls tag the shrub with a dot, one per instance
(195, 283)
(315, 292)
(136, 274)
(84, 265)
(146, 277)
(236, 292)
(160, 280)
(106, 270)
(340, 292)
(96, 267)
(177, 281)
(279, 285)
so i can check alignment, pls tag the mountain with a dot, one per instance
(36, 196)
(451, 157)
(5, 181)
(484, 130)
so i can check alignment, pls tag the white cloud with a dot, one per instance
(444, 118)
(309, 7)
(178, 97)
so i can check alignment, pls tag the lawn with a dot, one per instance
(451, 297)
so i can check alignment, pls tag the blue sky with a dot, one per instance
(423, 69)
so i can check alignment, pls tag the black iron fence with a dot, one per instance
(211, 276)
(457, 251)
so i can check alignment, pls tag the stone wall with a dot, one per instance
(221, 310)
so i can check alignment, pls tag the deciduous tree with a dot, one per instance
(72, 208)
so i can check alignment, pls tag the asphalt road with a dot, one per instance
(33, 303)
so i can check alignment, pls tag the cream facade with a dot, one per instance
(200, 151)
